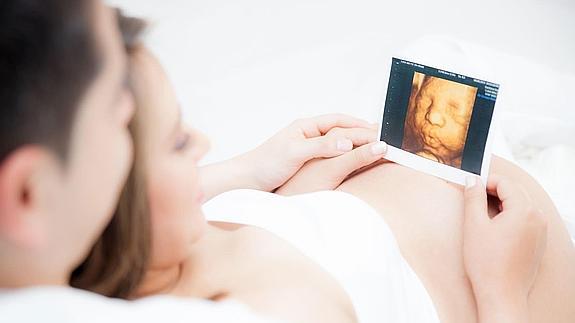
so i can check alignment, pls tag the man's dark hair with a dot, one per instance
(48, 59)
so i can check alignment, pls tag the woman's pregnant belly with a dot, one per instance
(425, 214)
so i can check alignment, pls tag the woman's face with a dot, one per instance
(170, 152)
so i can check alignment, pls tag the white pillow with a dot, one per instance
(64, 304)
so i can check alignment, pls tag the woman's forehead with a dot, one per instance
(157, 105)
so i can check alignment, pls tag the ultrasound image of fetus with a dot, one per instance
(438, 118)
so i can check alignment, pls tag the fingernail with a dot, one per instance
(470, 181)
(379, 148)
(344, 145)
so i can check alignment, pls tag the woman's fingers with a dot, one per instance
(356, 159)
(327, 173)
(359, 136)
(337, 142)
(320, 125)
(513, 198)
(516, 205)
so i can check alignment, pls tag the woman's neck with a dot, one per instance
(159, 281)
(181, 278)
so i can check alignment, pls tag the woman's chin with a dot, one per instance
(199, 226)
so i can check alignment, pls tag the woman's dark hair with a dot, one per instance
(117, 263)
(48, 59)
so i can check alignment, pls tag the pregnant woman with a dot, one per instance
(473, 268)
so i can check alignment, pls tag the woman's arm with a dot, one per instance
(275, 161)
(502, 254)
(225, 176)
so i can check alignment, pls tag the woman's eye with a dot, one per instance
(182, 142)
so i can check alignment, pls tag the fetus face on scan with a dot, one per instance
(438, 118)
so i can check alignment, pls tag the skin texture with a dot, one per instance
(514, 239)
(430, 236)
(171, 151)
(437, 119)
(215, 261)
(276, 160)
(50, 213)
(502, 249)
(321, 174)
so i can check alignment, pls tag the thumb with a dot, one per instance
(475, 200)
(337, 142)
(342, 166)
(359, 157)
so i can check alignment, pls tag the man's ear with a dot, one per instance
(20, 220)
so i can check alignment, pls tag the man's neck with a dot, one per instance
(178, 279)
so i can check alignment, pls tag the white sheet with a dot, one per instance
(68, 305)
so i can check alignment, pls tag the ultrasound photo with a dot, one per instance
(439, 116)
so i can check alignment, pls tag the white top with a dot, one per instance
(345, 236)
(340, 232)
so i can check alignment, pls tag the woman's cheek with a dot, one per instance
(179, 190)
(171, 222)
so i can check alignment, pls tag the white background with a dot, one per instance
(245, 68)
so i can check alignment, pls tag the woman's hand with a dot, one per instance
(328, 173)
(502, 254)
(280, 157)
(275, 161)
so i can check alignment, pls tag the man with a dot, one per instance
(64, 155)
(64, 146)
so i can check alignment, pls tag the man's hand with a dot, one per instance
(502, 254)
